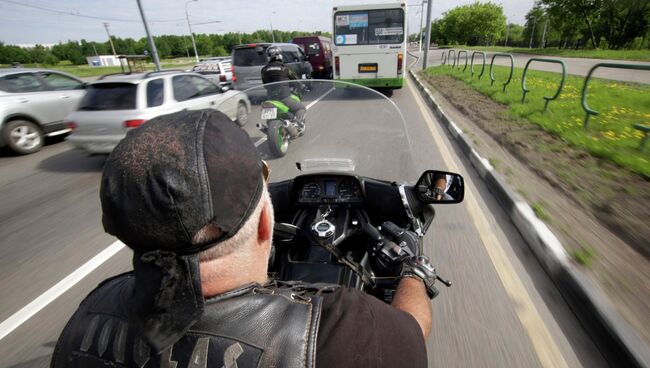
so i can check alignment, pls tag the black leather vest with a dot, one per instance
(275, 325)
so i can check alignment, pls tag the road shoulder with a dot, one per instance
(588, 302)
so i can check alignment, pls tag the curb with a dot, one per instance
(614, 337)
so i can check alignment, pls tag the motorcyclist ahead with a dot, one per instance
(276, 71)
(187, 192)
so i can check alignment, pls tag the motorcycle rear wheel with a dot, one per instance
(277, 138)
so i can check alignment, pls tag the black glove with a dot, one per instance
(420, 268)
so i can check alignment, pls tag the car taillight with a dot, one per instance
(71, 125)
(232, 70)
(400, 62)
(336, 65)
(134, 123)
(222, 78)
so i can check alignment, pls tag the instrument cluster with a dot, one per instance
(328, 189)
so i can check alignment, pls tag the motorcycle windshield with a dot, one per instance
(348, 128)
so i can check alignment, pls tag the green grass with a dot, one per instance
(540, 212)
(634, 55)
(86, 70)
(584, 256)
(610, 135)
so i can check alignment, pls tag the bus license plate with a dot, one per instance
(269, 113)
(367, 68)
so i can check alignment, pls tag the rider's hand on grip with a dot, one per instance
(420, 268)
(403, 237)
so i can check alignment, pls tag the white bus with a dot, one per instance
(370, 44)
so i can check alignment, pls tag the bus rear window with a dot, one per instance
(369, 27)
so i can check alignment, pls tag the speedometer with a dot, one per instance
(349, 189)
(311, 190)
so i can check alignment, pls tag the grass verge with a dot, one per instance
(611, 134)
(632, 55)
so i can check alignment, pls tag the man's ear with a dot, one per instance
(264, 231)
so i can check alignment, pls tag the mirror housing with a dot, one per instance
(225, 88)
(440, 187)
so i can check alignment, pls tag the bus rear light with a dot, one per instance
(134, 123)
(337, 66)
(232, 70)
(400, 62)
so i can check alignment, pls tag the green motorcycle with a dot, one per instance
(280, 125)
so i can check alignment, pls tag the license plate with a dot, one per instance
(367, 68)
(269, 113)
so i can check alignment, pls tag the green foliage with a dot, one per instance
(478, 23)
(611, 134)
(540, 212)
(168, 46)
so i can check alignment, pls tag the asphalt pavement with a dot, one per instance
(502, 310)
(575, 66)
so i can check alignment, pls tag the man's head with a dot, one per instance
(182, 188)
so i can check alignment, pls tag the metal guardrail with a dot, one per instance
(547, 98)
(458, 59)
(471, 69)
(512, 68)
(585, 107)
(449, 56)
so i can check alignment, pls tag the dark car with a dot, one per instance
(248, 61)
(319, 51)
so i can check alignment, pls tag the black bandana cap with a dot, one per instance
(165, 181)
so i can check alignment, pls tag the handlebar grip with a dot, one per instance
(372, 232)
(392, 229)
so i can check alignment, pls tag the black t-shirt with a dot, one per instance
(358, 330)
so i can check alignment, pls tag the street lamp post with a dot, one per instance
(271, 21)
(187, 15)
(421, 20)
(532, 32)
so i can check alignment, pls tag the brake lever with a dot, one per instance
(447, 283)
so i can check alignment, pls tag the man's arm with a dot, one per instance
(411, 297)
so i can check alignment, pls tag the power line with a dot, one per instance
(77, 14)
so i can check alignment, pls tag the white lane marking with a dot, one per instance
(547, 351)
(18, 318)
(263, 139)
(320, 98)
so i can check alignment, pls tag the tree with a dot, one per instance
(586, 10)
(478, 23)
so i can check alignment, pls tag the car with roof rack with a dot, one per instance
(33, 105)
(217, 69)
(116, 103)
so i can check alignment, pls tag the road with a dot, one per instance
(575, 66)
(502, 311)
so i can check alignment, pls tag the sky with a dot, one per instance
(28, 22)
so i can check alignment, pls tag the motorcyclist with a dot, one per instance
(276, 71)
(436, 186)
(187, 193)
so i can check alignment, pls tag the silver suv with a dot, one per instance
(116, 103)
(33, 104)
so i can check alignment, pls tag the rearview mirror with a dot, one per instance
(440, 187)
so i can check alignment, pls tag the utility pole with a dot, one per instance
(544, 35)
(187, 16)
(421, 20)
(152, 45)
(532, 32)
(507, 31)
(110, 39)
(428, 35)
(95, 49)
